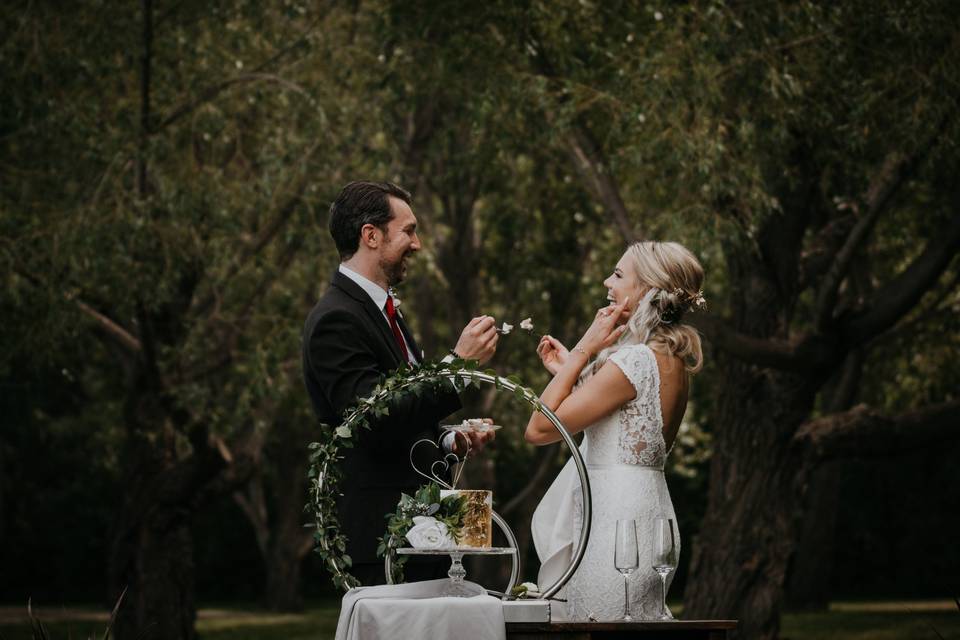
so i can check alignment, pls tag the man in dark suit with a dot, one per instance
(355, 335)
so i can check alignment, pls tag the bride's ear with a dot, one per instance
(642, 292)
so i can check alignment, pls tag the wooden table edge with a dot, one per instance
(640, 625)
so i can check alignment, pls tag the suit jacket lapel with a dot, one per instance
(376, 315)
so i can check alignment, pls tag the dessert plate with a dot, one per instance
(470, 426)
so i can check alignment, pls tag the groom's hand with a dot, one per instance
(478, 341)
(478, 441)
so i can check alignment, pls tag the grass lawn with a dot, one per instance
(875, 621)
(844, 621)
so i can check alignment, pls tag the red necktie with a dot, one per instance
(392, 317)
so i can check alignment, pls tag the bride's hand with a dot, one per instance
(552, 354)
(604, 330)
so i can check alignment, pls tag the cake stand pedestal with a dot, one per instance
(457, 573)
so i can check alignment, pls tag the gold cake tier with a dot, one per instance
(477, 529)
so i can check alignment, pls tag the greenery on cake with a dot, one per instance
(423, 520)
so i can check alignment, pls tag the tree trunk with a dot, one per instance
(810, 573)
(808, 579)
(151, 554)
(749, 531)
(283, 574)
(282, 539)
(153, 560)
(289, 542)
(754, 507)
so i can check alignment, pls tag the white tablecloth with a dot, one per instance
(416, 610)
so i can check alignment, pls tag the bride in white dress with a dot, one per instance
(630, 401)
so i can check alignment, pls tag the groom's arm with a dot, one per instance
(346, 366)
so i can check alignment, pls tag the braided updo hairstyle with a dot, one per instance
(675, 278)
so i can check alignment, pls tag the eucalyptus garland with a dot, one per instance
(324, 474)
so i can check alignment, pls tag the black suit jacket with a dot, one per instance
(347, 348)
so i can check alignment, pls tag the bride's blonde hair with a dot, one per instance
(675, 278)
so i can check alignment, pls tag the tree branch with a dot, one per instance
(307, 544)
(896, 170)
(894, 300)
(223, 354)
(589, 163)
(144, 127)
(588, 158)
(816, 261)
(780, 48)
(845, 385)
(107, 327)
(184, 481)
(233, 468)
(891, 176)
(420, 125)
(211, 92)
(266, 235)
(253, 505)
(932, 315)
(807, 353)
(862, 432)
(110, 329)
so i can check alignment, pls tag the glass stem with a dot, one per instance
(456, 573)
(626, 599)
(663, 595)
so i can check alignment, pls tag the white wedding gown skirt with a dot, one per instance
(595, 591)
(625, 455)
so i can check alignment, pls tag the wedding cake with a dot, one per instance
(477, 529)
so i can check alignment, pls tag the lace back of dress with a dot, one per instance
(641, 425)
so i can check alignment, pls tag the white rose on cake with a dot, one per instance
(428, 533)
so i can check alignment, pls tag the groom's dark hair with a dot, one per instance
(361, 203)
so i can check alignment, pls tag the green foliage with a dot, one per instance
(449, 511)
(718, 120)
(39, 630)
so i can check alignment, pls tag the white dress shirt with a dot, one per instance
(379, 297)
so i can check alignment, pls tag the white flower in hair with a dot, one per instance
(696, 300)
(699, 301)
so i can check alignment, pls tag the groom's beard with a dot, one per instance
(395, 271)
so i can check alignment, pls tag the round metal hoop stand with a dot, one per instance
(511, 542)
(581, 546)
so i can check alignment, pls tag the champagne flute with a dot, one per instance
(626, 558)
(664, 558)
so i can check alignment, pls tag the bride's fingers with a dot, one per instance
(614, 335)
(612, 310)
(617, 311)
(553, 343)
